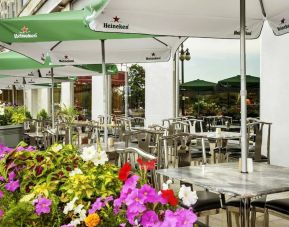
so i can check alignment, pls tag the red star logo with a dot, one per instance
(283, 20)
(24, 29)
(115, 19)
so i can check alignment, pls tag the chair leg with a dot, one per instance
(237, 219)
(253, 216)
(207, 220)
(229, 218)
(266, 218)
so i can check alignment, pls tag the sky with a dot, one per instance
(217, 59)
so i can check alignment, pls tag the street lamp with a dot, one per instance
(184, 56)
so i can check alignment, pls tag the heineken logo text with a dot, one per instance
(25, 34)
(66, 59)
(116, 24)
(283, 26)
(153, 57)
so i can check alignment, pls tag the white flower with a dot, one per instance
(75, 171)
(91, 154)
(166, 185)
(82, 215)
(75, 222)
(78, 209)
(188, 196)
(88, 153)
(69, 206)
(56, 148)
(100, 159)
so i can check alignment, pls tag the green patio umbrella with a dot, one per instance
(198, 86)
(14, 65)
(235, 81)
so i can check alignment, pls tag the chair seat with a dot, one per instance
(206, 201)
(279, 205)
(256, 203)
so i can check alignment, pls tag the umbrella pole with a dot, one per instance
(105, 98)
(126, 94)
(244, 145)
(52, 100)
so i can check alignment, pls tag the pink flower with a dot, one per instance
(186, 217)
(42, 206)
(12, 186)
(149, 219)
(129, 184)
(150, 194)
(97, 205)
(131, 216)
(135, 202)
(1, 194)
(1, 213)
(11, 176)
(108, 199)
(2, 178)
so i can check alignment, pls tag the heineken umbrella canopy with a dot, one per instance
(68, 40)
(198, 85)
(235, 81)
(194, 18)
(15, 64)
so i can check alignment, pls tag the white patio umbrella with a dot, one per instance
(230, 19)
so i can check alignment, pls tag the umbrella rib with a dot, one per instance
(160, 41)
(262, 7)
(52, 48)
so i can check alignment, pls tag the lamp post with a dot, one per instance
(184, 55)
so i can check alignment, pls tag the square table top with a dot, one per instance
(225, 178)
(221, 135)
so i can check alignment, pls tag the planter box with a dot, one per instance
(11, 135)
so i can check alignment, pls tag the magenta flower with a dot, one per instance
(1, 194)
(12, 186)
(185, 217)
(108, 199)
(150, 219)
(150, 194)
(67, 225)
(97, 205)
(131, 216)
(42, 206)
(117, 204)
(170, 219)
(135, 202)
(1, 213)
(129, 184)
(2, 178)
(11, 176)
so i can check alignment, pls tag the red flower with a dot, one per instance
(149, 165)
(170, 197)
(124, 172)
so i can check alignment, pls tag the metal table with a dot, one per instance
(225, 178)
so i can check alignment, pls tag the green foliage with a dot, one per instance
(136, 81)
(42, 115)
(68, 114)
(14, 115)
(47, 174)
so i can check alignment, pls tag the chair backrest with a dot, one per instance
(262, 133)
(195, 125)
(180, 144)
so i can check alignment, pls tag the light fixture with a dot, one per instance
(184, 55)
(187, 55)
(23, 81)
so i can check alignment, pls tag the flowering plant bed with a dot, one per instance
(60, 187)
